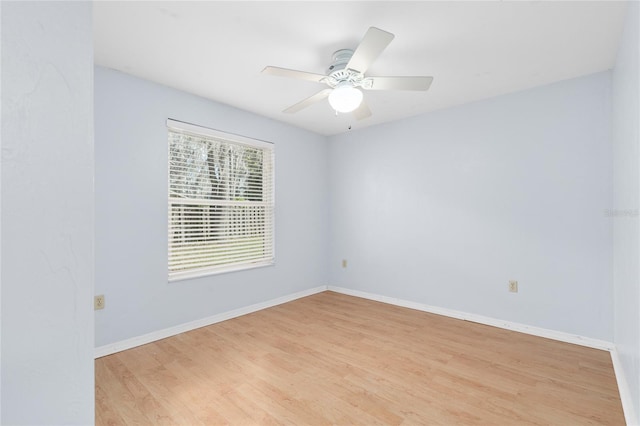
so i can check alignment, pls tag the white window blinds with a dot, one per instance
(221, 201)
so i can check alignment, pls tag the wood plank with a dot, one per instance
(336, 359)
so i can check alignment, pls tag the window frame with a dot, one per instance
(229, 138)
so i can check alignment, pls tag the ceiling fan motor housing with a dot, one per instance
(339, 73)
(340, 60)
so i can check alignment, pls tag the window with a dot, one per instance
(220, 201)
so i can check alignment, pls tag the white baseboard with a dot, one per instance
(623, 387)
(172, 331)
(522, 328)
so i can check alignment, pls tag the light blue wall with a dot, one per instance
(47, 214)
(131, 210)
(626, 159)
(445, 208)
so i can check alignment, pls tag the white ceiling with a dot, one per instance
(474, 50)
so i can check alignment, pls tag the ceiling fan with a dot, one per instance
(346, 75)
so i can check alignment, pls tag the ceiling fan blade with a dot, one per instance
(323, 94)
(373, 43)
(362, 111)
(399, 83)
(301, 75)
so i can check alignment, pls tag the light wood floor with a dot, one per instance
(335, 359)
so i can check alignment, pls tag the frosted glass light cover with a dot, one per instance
(345, 98)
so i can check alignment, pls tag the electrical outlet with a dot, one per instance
(344, 263)
(98, 302)
(513, 286)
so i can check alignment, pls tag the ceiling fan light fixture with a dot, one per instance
(346, 77)
(345, 98)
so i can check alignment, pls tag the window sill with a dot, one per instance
(217, 271)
